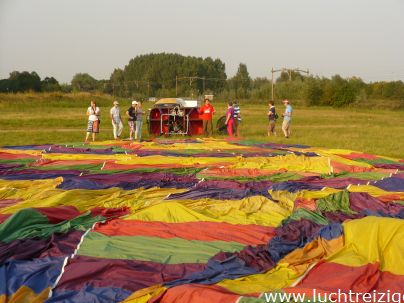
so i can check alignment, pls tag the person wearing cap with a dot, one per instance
(93, 124)
(287, 117)
(117, 124)
(206, 111)
(131, 113)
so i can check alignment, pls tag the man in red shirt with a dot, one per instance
(207, 112)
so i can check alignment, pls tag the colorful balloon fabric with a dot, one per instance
(197, 220)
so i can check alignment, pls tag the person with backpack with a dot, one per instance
(237, 118)
(272, 116)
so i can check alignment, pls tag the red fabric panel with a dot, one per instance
(10, 156)
(340, 167)
(59, 213)
(127, 274)
(332, 276)
(203, 231)
(8, 202)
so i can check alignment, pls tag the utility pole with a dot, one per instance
(176, 86)
(148, 88)
(272, 82)
(203, 85)
(289, 71)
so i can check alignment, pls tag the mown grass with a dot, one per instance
(57, 118)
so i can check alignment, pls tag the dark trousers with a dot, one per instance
(207, 128)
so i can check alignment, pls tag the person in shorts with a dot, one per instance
(93, 124)
(131, 114)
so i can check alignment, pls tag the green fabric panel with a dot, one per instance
(335, 202)
(280, 177)
(376, 161)
(362, 175)
(29, 223)
(24, 161)
(167, 251)
(177, 171)
(82, 167)
(251, 300)
(302, 213)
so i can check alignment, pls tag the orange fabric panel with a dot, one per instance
(202, 231)
(196, 293)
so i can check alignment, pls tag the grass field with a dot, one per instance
(57, 118)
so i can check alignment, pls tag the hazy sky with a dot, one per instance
(62, 37)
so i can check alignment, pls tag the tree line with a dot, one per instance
(168, 75)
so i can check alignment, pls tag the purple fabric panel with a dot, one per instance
(389, 166)
(129, 181)
(340, 217)
(27, 249)
(225, 190)
(127, 274)
(390, 184)
(332, 182)
(78, 150)
(33, 174)
(360, 202)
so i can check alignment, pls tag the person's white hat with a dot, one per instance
(134, 102)
(116, 103)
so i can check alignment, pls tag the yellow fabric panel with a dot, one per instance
(252, 210)
(84, 199)
(145, 294)
(26, 295)
(287, 271)
(290, 162)
(374, 191)
(28, 189)
(205, 145)
(373, 239)
(148, 160)
(23, 152)
(287, 198)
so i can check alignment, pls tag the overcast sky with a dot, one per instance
(62, 37)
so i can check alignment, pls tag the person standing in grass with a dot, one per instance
(93, 125)
(139, 121)
(287, 117)
(131, 114)
(117, 124)
(237, 118)
(272, 116)
(230, 119)
(207, 112)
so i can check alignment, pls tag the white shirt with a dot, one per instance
(93, 115)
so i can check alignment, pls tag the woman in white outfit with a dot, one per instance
(93, 125)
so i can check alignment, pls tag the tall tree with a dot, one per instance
(84, 82)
